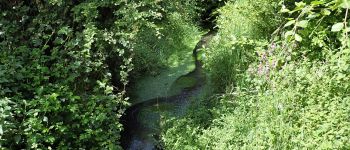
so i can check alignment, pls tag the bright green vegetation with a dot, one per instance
(173, 52)
(282, 68)
(278, 73)
(66, 66)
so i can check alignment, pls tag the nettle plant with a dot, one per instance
(312, 31)
(314, 28)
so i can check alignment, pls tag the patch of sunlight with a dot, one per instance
(180, 63)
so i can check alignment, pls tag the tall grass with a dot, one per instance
(243, 26)
(291, 94)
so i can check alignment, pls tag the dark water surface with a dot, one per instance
(142, 120)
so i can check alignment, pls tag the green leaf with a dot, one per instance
(302, 23)
(284, 9)
(316, 3)
(39, 90)
(1, 131)
(300, 4)
(53, 96)
(37, 42)
(337, 27)
(58, 40)
(325, 12)
(17, 139)
(345, 4)
(109, 90)
(288, 33)
(45, 119)
(298, 38)
(64, 30)
(289, 23)
(347, 29)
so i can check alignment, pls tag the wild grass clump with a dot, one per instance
(228, 55)
(292, 95)
(243, 27)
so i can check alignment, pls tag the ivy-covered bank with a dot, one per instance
(279, 70)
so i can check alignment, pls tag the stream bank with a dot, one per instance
(142, 120)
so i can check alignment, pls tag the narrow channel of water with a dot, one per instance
(142, 121)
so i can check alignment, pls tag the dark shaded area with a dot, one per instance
(208, 15)
(39, 61)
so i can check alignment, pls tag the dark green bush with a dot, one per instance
(64, 66)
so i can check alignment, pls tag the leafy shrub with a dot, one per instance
(293, 95)
(64, 66)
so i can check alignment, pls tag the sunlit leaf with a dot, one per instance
(302, 23)
(289, 23)
(345, 4)
(337, 27)
(298, 37)
(64, 30)
(288, 33)
(316, 3)
(300, 4)
(325, 12)
(284, 9)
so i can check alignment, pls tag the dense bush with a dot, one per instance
(279, 70)
(63, 71)
(65, 66)
(292, 95)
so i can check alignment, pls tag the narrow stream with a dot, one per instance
(142, 120)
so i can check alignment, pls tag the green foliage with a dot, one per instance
(64, 66)
(281, 69)
(155, 48)
(244, 27)
(292, 95)
(164, 53)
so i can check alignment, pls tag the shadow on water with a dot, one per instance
(142, 120)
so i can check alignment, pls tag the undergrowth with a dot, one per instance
(291, 94)
(164, 57)
(65, 66)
